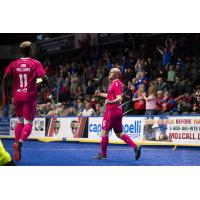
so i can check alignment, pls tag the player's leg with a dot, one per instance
(5, 159)
(29, 111)
(18, 130)
(106, 126)
(118, 128)
(104, 145)
(20, 121)
(129, 141)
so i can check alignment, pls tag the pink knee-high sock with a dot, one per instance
(128, 140)
(104, 144)
(26, 132)
(18, 131)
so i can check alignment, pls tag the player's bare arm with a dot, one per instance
(100, 94)
(115, 101)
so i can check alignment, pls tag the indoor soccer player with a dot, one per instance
(24, 72)
(113, 115)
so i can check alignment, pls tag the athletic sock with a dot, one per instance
(104, 144)
(128, 140)
(26, 132)
(18, 131)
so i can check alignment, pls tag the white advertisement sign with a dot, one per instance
(132, 126)
(38, 129)
(66, 128)
(184, 130)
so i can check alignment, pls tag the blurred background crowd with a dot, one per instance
(159, 74)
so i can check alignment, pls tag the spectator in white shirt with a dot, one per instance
(151, 107)
(88, 111)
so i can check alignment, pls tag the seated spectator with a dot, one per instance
(99, 109)
(196, 105)
(88, 111)
(159, 101)
(184, 103)
(48, 107)
(80, 107)
(58, 109)
(162, 86)
(168, 103)
(138, 100)
(42, 110)
(94, 101)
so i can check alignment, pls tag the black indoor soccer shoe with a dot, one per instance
(138, 152)
(100, 157)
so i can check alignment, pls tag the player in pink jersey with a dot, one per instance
(113, 115)
(24, 71)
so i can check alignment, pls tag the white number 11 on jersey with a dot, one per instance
(23, 80)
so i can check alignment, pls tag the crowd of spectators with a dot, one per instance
(159, 77)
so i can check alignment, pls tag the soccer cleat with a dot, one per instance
(17, 151)
(100, 157)
(138, 152)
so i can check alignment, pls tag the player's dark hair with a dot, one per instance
(25, 48)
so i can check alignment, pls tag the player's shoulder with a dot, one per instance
(35, 61)
(14, 61)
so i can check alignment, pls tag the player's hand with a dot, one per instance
(97, 93)
(107, 102)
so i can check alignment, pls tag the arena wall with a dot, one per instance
(154, 130)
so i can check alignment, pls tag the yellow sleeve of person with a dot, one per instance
(4, 155)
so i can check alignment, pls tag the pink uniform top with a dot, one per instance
(25, 71)
(114, 90)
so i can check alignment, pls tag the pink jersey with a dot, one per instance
(114, 90)
(25, 71)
